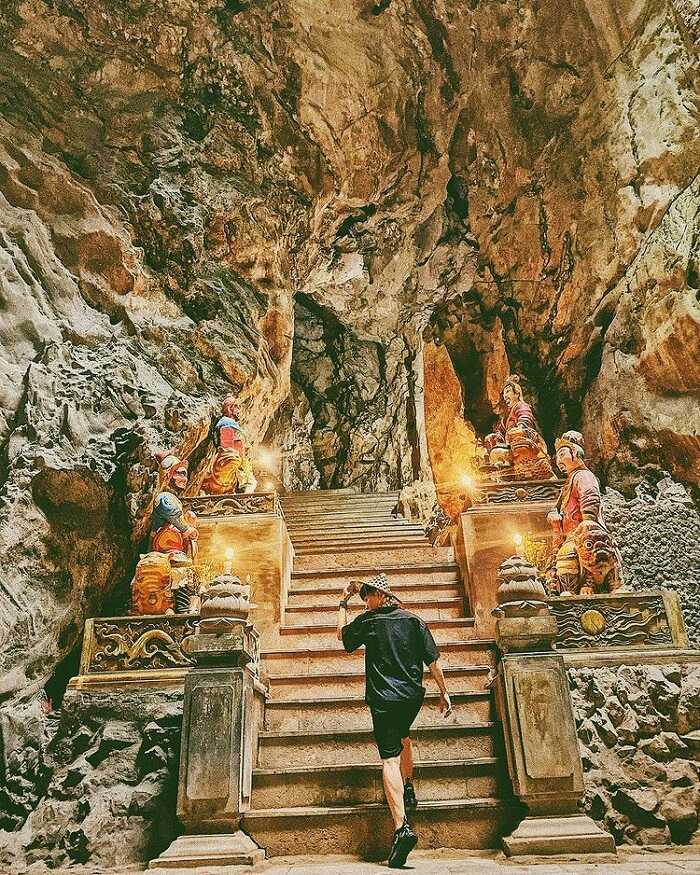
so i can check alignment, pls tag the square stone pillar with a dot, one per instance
(486, 535)
(534, 705)
(222, 710)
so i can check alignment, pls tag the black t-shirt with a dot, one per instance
(397, 646)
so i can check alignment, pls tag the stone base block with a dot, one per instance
(194, 851)
(567, 834)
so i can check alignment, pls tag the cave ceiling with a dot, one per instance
(288, 200)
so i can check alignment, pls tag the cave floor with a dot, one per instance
(629, 861)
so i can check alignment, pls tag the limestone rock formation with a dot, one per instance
(520, 182)
(100, 787)
(639, 734)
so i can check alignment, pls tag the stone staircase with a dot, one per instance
(317, 786)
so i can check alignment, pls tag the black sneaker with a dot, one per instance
(404, 842)
(409, 796)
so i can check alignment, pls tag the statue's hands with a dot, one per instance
(586, 590)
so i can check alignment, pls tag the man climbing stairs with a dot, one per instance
(317, 787)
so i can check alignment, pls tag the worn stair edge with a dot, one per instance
(350, 734)
(472, 644)
(330, 598)
(424, 765)
(342, 810)
(413, 605)
(455, 695)
(333, 591)
(366, 830)
(371, 570)
(444, 623)
(371, 541)
(448, 671)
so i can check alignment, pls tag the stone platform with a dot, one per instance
(634, 861)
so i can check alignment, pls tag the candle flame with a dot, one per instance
(518, 538)
(229, 553)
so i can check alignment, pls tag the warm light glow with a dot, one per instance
(228, 553)
(518, 538)
(267, 458)
(269, 486)
(467, 481)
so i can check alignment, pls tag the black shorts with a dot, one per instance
(391, 722)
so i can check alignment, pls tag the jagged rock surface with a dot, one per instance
(101, 785)
(658, 531)
(639, 735)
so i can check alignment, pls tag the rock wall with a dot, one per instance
(174, 173)
(639, 734)
(100, 786)
(658, 532)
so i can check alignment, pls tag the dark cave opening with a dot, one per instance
(68, 667)
(467, 332)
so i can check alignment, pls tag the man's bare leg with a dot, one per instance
(393, 789)
(407, 760)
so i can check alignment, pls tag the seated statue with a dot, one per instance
(151, 591)
(230, 470)
(516, 443)
(172, 529)
(584, 558)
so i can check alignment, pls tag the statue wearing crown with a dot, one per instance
(229, 470)
(164, 581)
(585, 559)
(516, 443)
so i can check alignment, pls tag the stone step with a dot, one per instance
(367, 830)
(407, 592)
(313, 495)
(426, 608)
(439, 742)
(371, 539)
(379, 557)
(331, 529)
(361, 784)
(324, 634)
(351, 712)
(326, 548)
(335, 658)
(317, 685)
(312, 516)
(380, 537)
(338, 577)
(387, 507)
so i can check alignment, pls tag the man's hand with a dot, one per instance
(445, 704)
(348, 592)
(351, 588)
(191, 534)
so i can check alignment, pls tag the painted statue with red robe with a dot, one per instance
(516, 442)
(585, 559)
(230, 470)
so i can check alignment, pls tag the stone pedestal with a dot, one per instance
(486, 534)
(261, 550)
(534, 704)
(221, 714)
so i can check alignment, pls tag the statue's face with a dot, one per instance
(510, 396)
(564, 459)
(179, 478)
